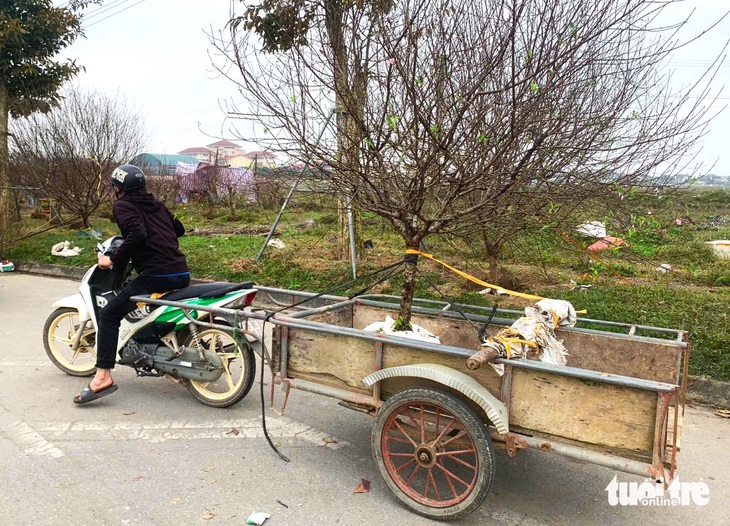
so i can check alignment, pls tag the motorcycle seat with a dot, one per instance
(206, 290)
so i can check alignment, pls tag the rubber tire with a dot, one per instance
(50, 322)
(469, 421)
(249, 358)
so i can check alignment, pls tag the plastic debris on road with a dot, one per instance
(7, 266)
(257, 517)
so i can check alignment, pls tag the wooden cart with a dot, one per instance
(618, 402)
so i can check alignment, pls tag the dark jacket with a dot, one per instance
(150, 235)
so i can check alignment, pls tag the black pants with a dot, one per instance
(118, 307)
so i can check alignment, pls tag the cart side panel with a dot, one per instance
(608, 415)
(606, 353)
(343, 361)
(394, 355)
(341, 317)
(335, 360)
(649, 360)
(598, 415)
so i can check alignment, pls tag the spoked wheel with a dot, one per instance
(433, 452)
(59, 332)
(238, 369)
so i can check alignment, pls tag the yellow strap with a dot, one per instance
(508, 349)
(516, 340)
(499, 290)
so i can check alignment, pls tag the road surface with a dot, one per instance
(151, 455)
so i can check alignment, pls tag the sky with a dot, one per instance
(157, 55)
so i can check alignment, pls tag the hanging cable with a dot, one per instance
(391, 271)
(263, 406)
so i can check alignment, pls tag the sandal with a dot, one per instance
(88, 395)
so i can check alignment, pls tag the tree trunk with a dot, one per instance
(493, 266)
(352, 142)
(493, 250)
(409, 287)
(4, 176)
(348, 103)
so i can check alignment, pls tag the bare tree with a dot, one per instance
(67, 153)
(233, 184)
(32, 33)
(481, 113)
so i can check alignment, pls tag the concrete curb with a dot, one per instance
(48, 269)
(699, 391)
(708, 392)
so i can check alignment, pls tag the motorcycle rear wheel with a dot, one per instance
(239, 365)
(58, 335)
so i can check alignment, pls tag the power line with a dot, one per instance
(102, 9)
(114, 14)
(187, 112)
(697, 64)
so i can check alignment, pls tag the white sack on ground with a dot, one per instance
(64, 249)
(592, 229)
(721, 247)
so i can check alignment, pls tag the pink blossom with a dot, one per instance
(391, 61)
(678, 221)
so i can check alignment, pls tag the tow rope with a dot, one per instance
(497, 288)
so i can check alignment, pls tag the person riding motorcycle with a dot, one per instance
(150, 233)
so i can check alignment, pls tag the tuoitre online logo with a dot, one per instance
(652, 493)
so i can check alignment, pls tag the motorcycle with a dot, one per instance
(215, 363)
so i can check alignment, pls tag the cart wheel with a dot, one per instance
(433, 452)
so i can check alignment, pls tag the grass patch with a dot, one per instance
(703, 314)
(626, 286)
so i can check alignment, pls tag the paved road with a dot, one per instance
(151, 455)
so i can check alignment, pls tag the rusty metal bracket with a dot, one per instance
(286, 387)
(514, 443)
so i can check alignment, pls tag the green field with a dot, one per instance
(623, 286)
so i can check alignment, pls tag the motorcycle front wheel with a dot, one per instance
(59, 333)
(238, 368)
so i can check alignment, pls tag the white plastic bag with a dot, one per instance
(64, 249)
(417, 333)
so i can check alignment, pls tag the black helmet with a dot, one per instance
(128, 177)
